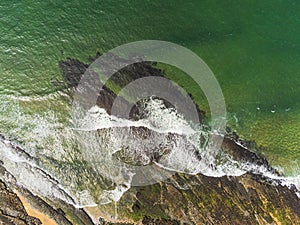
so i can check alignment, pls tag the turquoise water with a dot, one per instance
(253, 47)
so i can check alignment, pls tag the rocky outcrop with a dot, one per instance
(182, 199)
(12, 210)
(198, 199)
(73, 69)
(206, 200)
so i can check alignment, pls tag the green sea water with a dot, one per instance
(253, 48)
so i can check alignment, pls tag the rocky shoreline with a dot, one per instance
(182, 199)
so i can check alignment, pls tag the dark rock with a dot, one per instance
(72, 71)
(149, 221)
(12, 210)
(225, 200)
(183, 199)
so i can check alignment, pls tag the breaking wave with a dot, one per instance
(44, 157)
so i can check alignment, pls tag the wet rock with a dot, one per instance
(244, 155)
(12, 210)
(197, 199)
(142, 146)
(225, 200)
(149, 221)
(72, 71)
(183, 199)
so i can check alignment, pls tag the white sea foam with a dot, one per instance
(29, 175)
(182, 157)
(159, 119)
(184, 148)
(98, 136)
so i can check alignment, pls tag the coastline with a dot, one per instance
(45, 219)
(184, 198)
(240, 148)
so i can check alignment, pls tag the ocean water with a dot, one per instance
(253, 48)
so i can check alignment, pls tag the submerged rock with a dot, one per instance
(182, 199)
(198, 199)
